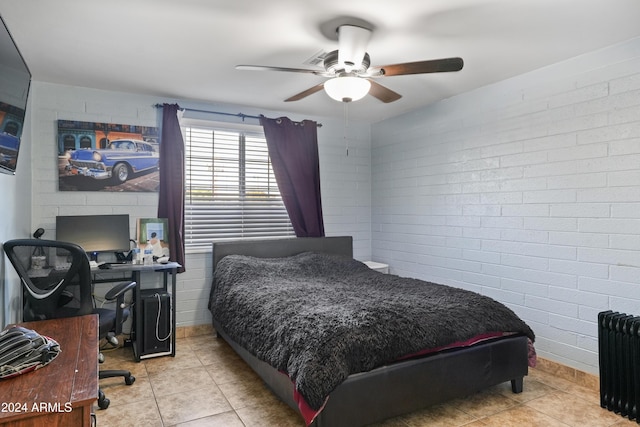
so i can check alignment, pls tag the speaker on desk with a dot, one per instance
(156, 323)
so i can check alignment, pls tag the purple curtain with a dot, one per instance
(293, 148)
(171, 197)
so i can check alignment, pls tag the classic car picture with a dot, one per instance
(107, 157)
(119, 161)
(9, 145)
(11, 119)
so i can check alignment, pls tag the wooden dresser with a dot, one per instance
(62, 393)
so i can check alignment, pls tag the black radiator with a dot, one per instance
(619, 354)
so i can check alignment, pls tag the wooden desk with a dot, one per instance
(61, 393)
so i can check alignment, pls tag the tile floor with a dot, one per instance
(207, 384)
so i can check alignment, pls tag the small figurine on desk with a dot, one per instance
(154, 243)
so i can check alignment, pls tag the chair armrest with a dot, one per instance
(119, 289)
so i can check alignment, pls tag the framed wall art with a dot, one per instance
(107, 157)
(154, 233)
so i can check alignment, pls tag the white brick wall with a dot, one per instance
(346, 189)
(528, 191)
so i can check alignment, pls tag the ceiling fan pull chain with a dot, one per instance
(346, 124)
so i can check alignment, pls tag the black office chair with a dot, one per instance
(56, 280)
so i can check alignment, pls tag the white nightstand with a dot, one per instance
(378, 266)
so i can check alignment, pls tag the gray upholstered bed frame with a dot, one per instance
(395, 389)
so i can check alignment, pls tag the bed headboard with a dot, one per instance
(278, 248)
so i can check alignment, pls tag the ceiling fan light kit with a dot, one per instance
(349, 72)
(347, 88)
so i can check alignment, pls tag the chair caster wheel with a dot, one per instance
(129, 380)
(103, 403)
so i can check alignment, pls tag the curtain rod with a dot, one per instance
(241, 115)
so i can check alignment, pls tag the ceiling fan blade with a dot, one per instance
(305, 93)
(290, 70)
(384, 94)
(420, 67)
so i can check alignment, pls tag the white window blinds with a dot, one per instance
(231, 192)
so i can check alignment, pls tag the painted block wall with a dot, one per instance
(527, 191)
(346, 190)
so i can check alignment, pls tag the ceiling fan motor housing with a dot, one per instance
(332, 65)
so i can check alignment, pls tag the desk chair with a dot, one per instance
(56, 281)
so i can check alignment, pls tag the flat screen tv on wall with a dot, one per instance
(15, 79)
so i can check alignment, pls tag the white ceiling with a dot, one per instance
(188, 49)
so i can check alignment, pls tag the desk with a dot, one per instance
(61, 393)
(136, 270)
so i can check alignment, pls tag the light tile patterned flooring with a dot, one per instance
(207, 384)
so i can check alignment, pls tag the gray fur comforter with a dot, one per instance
(320, 318)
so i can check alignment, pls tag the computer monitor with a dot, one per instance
(95, 233)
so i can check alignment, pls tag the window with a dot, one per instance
(231, 191)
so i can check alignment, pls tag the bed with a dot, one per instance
(341, 366)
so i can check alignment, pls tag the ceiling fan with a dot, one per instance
(350, 71)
